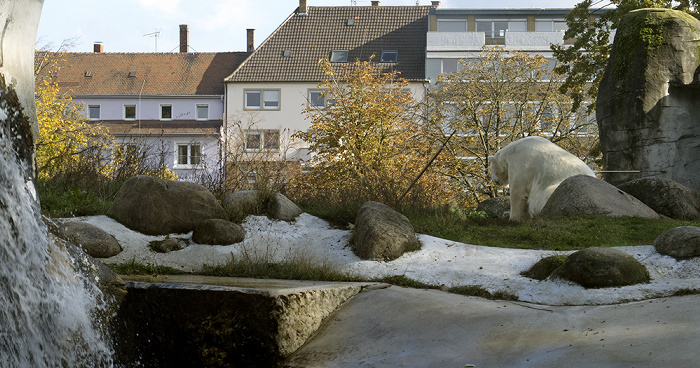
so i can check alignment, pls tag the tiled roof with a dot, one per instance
(120, 127)
(312, 36)
(152, 73)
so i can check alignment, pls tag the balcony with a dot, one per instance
(466, 41)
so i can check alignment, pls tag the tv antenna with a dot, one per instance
(154, 35)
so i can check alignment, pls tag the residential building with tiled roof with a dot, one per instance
(172, 101)
(266, 94)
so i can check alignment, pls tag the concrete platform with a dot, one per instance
(398, 327)
(199, 321)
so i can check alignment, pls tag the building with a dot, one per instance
(267, 94)
(169, 103)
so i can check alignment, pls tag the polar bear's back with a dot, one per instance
(535, 169)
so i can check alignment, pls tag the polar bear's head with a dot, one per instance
(499, 169)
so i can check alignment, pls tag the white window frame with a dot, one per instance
(89, 112)
(262, 140)
(177, 164)
(196, 111)
(136, 111)
(161, 111)
(266, 96)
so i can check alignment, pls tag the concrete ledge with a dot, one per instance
(211, 321)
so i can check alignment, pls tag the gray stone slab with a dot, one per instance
(399, 327)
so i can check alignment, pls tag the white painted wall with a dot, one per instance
(289, 119)
(148, 107)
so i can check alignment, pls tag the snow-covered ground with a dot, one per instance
(439, 262)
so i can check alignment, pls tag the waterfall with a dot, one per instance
(48, 311)
(46, 308)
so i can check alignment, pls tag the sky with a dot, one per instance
(214, 25)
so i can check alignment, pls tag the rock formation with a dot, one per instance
(647, 106)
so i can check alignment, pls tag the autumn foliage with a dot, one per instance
(367, 142)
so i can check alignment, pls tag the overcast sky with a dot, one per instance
(214, 25)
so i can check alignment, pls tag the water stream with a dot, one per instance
(48, 311)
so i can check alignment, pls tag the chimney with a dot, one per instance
(375, 3)
(251, 39)
(302, 7)
(99, 47)
(435, 4)
(184, 37)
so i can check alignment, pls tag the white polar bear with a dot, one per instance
(533, 167)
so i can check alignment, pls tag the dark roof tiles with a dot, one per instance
(313, 36)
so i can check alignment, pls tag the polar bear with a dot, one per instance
(533, 167)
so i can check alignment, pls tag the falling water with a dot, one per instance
(47, 309)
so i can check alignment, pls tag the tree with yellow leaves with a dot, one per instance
(66, 142)
(366, 141)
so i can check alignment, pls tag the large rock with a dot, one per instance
(218, 232)
(647, 108)
(680, 242)
(498, 207)
(93, 240)
(586, 195)
(602, 267)
(253, 202)
(159, 207)
(382, 233)
(666, 197)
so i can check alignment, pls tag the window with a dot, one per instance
(268, 99)
(493, 29)
(129, 112)
(450, 65)
(389, 56)
(339, 56)
(202, 112)
(452, 26)
(188, 155)
(94, 112)
(317, 98)
(517, 26)
(550, 26)
(256, 140)
(166, 112)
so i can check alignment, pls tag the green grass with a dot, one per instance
(559, 235)
(135, 268)
(293, 269)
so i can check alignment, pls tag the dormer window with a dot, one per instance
(339, 56)
(389, 56)
(88, 73)
(132, 74)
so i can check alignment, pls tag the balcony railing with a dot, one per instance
(456, 41)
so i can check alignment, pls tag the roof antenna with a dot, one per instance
(154, 35)
(353, 2)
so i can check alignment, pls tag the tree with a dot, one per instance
(367, 142)
(498, 98)
(66, 140)
(583, 62)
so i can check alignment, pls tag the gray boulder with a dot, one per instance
(600, 267)
(647, 108)
(586, 195)
(666, 197)
(680, 242)
(253, 202)
(498, 207)
(282, 208)
(93, 240)
(218, 232)
(382, 233)
(159, 207)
